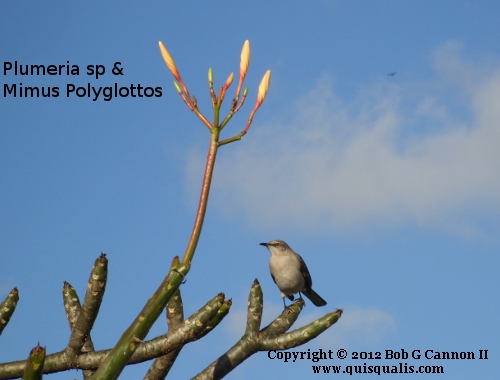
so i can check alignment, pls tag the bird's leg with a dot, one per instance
(285, 307)
(300, 297)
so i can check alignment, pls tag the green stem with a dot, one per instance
(119, 356)
(205, 190)
(34, 365)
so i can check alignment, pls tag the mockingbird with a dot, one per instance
(290, 273)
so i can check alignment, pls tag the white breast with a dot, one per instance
(286, 272)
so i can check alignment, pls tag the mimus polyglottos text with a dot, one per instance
(290, 273)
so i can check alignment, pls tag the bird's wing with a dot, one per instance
(273, 279)
(305, 272)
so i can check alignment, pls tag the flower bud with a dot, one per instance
(245, 59)
(229, 80)
(210, 76)
(169, 61)
(263, 87)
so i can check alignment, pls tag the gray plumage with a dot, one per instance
(290, 273)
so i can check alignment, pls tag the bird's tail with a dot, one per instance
(314, 298)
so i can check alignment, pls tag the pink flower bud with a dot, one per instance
(169, 61)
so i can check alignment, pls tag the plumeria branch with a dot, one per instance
(215, 126)
(217, 99)
(263, 87)
(130, 348)
(166, 347)
(193, 328)
(34, 364)
(7, 308)
(130, 340)
(85, 318)
(73, 310)
(272, 337)
(181, 87)
(175, 317)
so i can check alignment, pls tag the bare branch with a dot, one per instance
(273, 337)
(7, 308)
(91, 304)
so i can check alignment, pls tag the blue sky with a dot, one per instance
(388, 186)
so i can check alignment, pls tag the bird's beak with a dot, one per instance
(264, 244)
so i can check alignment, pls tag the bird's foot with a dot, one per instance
(301, 299)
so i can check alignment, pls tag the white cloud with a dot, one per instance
(382, 158)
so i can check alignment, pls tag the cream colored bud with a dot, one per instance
(169, 61)
(263, 87)
(229, 80)
(245, 59)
